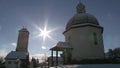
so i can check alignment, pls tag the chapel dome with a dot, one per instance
(81, 18)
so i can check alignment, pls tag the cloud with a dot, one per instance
(3, 53)
(14, 44)
(43, 47)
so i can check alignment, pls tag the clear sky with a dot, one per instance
(14, 14)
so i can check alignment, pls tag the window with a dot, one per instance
(9, 62)
(95, 38)
(68, 38)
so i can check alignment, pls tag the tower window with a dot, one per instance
(95, 38)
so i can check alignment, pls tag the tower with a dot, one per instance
(84, 34)
(20, 57)
(22, 43)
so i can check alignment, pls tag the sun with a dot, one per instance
(45, 33)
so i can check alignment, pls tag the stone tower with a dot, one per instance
(84, 34)
(22, 43)
(20, 57)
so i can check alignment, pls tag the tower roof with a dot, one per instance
(16, 55)
(81, 17)
(24, 29)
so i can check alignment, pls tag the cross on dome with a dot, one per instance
(80, 8)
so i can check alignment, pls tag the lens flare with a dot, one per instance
(44, 33)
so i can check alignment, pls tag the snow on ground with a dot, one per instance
(90, 66)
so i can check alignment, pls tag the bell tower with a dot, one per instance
(22, 43)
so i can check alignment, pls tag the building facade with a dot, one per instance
(83, 33)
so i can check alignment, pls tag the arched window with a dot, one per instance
(95, 38)
(68, 38)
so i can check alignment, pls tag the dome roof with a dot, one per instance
(81, 17)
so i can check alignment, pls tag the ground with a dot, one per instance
(89, 66)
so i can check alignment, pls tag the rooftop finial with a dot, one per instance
(80, 7)
(24, 28)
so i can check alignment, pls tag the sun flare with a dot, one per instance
(44, 32)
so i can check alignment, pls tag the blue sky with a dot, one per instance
(14, 14)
